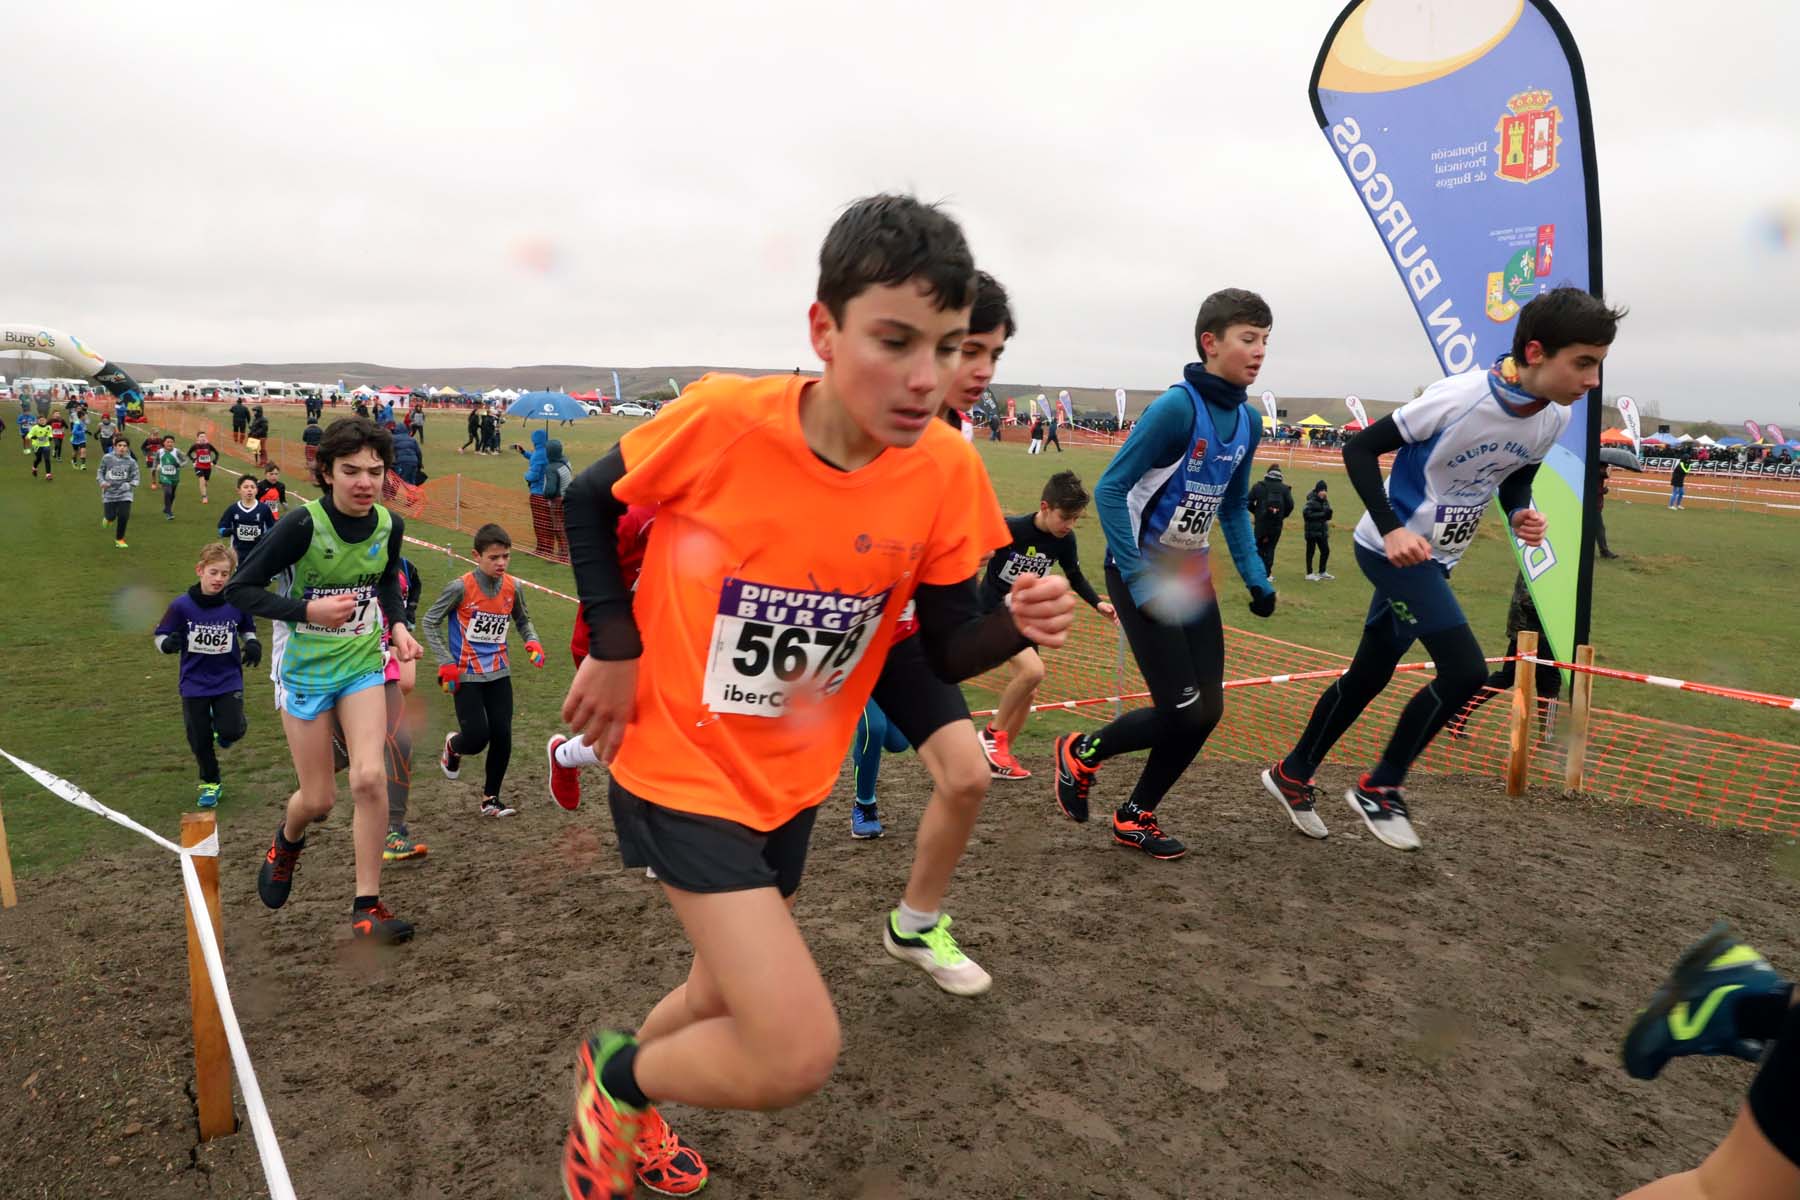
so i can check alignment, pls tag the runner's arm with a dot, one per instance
(1160, 438)
(171, 632)
(1071, 568)
(279, 549)
(412, 593)
(1362, 462)
(1515, 489)
(591, 520)
(959, 642)
(437, 618)
(225, 521)
(521, 618)
(387, 588)
(1234, 513)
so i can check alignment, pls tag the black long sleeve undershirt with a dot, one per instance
(284, 545)
(1515, 489)
(1362, 462)
(958, 641)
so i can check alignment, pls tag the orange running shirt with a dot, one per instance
(770, 592)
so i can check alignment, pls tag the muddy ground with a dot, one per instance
(1268, 1017)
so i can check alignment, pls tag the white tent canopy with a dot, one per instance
(364, 390)
(1704, 440)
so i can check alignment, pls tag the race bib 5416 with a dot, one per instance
(774, 646)
(487, 628)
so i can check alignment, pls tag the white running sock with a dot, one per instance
(576, 753)
(914, 921)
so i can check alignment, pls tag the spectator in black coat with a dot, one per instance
(1271, 503)
(1315, 516)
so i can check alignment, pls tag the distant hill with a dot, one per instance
(636, 381)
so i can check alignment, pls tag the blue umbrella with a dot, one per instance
(547, 407)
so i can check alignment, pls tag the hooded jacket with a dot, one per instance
(540, 455)
(118, 476)
(408, 458)
(1316, 513)
(558, 474)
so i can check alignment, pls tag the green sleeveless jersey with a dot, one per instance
(311, 659)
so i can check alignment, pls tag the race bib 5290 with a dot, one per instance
(1024, 564)
(774, 646)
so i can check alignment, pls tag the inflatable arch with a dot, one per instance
(82, 362)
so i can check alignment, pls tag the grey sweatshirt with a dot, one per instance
(437, 619)
(118, 476)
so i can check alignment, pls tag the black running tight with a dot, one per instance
(484, 713)
(1184, 671)
(119, 512)
(205, 715)
(1461, 671)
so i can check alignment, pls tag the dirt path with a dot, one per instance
(1268, 1017)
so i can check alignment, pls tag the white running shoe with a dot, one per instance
(936, 953)
(1383, 810)
(1299, 800)
(1326, 575)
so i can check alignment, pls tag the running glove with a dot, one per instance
(535, 651)
(252, 650)
(449, 675)
(1263, 603)
(168, 643)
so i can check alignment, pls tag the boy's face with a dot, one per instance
(355, 481)
(246, 488)
(168, 443)
(1056, 521)
(1563, 377)
(891, 359)
(1237, 354)
(121, 447)
(980, 359)
(274, 472)
(493, 561)
(213, 576)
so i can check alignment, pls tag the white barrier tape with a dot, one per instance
(261, 1128)
(65, 790)
(274, 1166)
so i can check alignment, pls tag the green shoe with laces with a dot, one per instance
(209, 795)
(936, 953)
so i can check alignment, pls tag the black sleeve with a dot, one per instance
(959, 642)
(387, 589)
(275, 552)
(1362, 462)
(591, 519)
(1071, 566)
(1515, 489)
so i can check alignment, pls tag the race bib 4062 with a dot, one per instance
(772, 646)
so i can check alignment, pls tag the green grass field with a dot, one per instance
(1700, 594)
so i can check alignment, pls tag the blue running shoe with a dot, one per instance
(209, 795)
(863, 821)
(1695, 1010)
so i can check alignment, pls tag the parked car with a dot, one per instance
(633, 410)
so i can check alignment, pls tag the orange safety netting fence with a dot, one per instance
(1271, 686)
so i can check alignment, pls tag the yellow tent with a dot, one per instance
(1314, 422)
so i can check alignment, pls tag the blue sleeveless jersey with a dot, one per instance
(1172, 508)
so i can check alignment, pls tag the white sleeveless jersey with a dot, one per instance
(1463, 437)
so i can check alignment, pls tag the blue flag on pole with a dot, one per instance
(1464, 128)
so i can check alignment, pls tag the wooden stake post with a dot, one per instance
(8, 897)
(1581, 698)
(1524, 714)
(212, 1056)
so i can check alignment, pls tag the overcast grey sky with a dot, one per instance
(448, 184)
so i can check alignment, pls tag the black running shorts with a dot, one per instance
(913, 697)
(694, 853)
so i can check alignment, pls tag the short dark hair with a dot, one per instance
(1228, 307)
(344, 437)
(990, 310)
(246, 478)
(885, 240)
(1064, 492)
(1562, 317)
(491, 535)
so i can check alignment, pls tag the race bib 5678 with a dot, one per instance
(773, 646)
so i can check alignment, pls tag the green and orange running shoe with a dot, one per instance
(600, 1158)
(667, 1165)
(1696, 1009)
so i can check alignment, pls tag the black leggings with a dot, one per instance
(1775, 1087)
(474, 437)
(1461, 673)
(168, 491)
(1317, 541)
(1549, 683)
(484, 713)
(1184, 670)
(118, 511)
(41, 454)
(204, 715)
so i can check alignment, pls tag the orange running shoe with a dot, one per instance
(996, 745)
(1073, 779)
(667, 1165)
(599, 1156)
